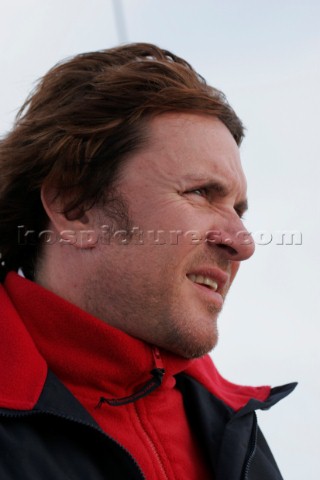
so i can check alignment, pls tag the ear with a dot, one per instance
(74, 228)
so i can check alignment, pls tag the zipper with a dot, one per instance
(157, 374)
(159, 366)
(151, 443)
(157, 359)
(252, 447)
(74, 420)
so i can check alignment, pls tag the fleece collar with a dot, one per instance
(22, 369)
(86, 353)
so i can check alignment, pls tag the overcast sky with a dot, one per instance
(265, 57)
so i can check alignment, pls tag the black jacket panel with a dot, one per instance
(59, 440)
(232, 441)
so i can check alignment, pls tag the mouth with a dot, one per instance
(208, 282)
(212, 278)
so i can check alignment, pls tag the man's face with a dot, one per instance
(169, 292)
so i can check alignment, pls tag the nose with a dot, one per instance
(234, 241)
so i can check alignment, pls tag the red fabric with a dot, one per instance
(236, 396)
(94, 359)
(22, 369)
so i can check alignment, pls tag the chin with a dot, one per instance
(195, 347)
(196, 352)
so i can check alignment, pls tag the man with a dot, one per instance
(121, 202)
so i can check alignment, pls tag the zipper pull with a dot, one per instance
(154, 382)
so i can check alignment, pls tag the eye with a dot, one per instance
(200, 192)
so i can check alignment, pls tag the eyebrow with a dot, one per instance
(218, 187)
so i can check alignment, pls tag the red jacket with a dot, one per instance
(185, 423)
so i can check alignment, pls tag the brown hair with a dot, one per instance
(82, 120)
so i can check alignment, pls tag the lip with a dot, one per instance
(220, 276)
(216, 274)
(210, 295)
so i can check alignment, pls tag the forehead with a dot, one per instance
(185, 147)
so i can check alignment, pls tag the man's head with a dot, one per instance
(130, 138)
(86, 116)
